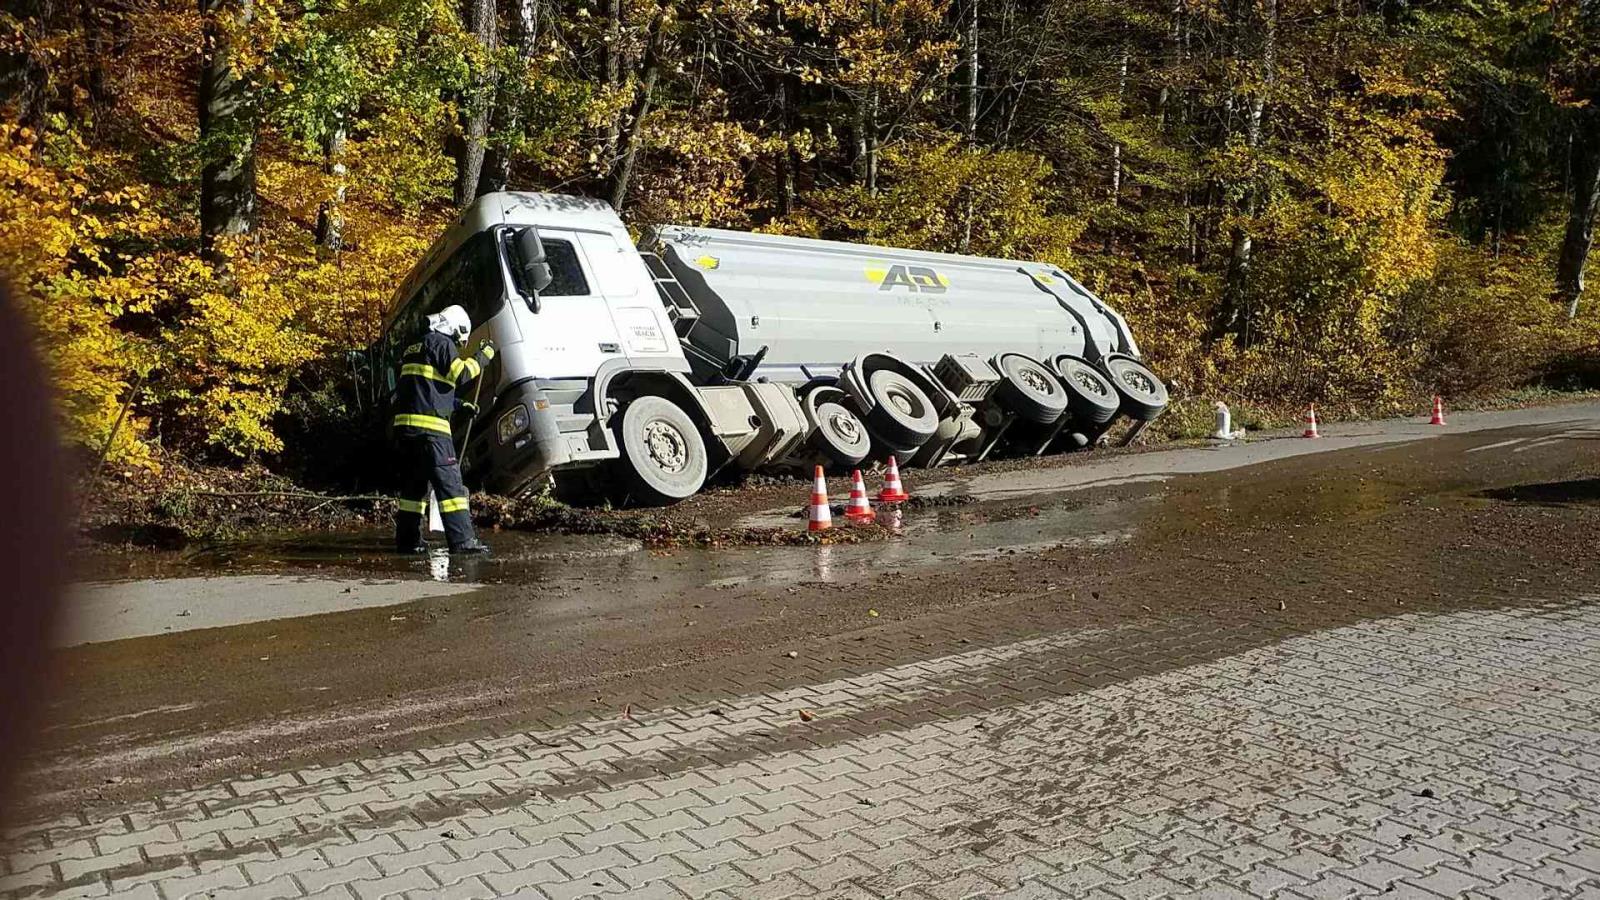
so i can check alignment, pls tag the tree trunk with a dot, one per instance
(1116, 147)
(613, 72)
(1585, 208)
(789, 160)
(613, 54)
(227, 129)
(105, 39)
(479, 20)
(872, 143)
(1233, 317)
(1175, 56)
(1110, 243)
(633, 133)
(25, 87)
(523, 36)
(970, 126)
(330, 215)
(858, 136)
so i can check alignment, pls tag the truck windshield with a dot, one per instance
(471, 278)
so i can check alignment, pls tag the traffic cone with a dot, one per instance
(1438, 411)
(1311, 422)
(859, 510)
(821, 518)
(892, 491)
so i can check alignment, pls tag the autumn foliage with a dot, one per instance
(1292, 200)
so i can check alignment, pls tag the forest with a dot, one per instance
(205, 205)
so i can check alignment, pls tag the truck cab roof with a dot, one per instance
(510, 208)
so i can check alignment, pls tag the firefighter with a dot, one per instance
(431, 373)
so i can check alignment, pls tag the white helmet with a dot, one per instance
(452, 322)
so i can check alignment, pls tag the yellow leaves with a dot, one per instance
(116, 289)
(929, 186)
(705, 183)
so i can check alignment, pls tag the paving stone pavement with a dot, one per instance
(1418, 756)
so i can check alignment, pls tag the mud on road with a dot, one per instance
(1174, 557)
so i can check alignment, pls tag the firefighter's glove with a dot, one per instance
(487, 350)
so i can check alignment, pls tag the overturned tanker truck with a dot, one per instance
(639, 372)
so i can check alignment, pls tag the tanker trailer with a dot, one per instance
(638, 374)
(939, 356)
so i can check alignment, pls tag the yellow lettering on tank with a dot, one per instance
(708, 262)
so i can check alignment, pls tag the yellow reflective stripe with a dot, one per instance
(465, 365)
(412, 506)
(453, 504)
(424, 370)
(419, 420)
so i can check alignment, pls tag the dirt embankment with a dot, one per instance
(184, 505)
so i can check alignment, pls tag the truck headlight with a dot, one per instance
(513, 422)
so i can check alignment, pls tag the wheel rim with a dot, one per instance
(1034, 379)
(668, 451)
(845, 427)
(902, 401)
(1138, 380)
(1089, 382)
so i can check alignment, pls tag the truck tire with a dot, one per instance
(839, 434)
(1091, 397)
(902, 416)
(1143, 394)
(663, 451)
(1029, 389)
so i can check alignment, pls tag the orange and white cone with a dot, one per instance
(821, 518)
(859, 510)
(892, 491)
(1311, 422)
(1438, 411)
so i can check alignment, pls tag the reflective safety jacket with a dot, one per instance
(430, 373)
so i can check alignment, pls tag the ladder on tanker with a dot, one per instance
(680, 306)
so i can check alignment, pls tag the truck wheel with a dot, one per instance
(839, 434)
(902, 416)
(1091, 397)
(1028, 389)
(665, 455)
(1143, 394)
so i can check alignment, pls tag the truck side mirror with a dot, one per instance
(535, 266)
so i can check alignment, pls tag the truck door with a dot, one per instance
(573, 332)
(636, 310)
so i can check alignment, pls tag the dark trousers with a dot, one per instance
(430, 461)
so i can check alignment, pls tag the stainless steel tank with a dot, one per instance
(814, 305)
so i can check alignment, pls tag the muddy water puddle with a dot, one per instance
(948, 536)
(560, 575)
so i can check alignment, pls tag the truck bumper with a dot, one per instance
(526, 455)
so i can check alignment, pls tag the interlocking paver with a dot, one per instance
(1408, 755)
(276, 889)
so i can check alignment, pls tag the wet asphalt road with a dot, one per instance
(1244, 545)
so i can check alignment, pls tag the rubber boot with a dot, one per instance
(473, 547)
